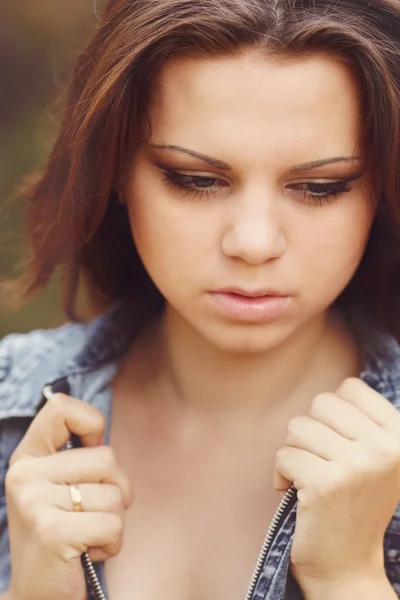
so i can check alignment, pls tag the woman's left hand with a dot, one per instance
(344, 460)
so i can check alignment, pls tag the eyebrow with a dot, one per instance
(219, 164)
(321, 163)
(213, 162)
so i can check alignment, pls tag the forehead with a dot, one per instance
(252, 102)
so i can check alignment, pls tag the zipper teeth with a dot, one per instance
(268, 539)
(94, 580)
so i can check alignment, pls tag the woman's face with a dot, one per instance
(250, 204)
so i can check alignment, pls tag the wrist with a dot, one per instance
(366, 587)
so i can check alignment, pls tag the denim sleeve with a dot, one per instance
(392, 552)
(11, 433)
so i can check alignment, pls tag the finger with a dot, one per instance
(298, 467)
(375, 406)
(71, 534)
(60, 417)
(280, 483)
(98, 555)
(97, 529)
(78, 466)
(95, 498)
(313, 436)
(346, 419)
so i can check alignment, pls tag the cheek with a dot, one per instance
(169, 237)
(335, 247)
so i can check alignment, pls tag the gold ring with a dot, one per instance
(76, 498)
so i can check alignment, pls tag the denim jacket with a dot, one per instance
(87, 356)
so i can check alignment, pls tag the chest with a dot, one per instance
(201, 552)
(199, 518)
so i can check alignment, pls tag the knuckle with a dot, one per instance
(16, 476)
(294, 428)
(26, 502)
(100, 420)
(280, 458)
(107, 458)
(56, 405)
(114, 549)
(127, 491)
(318, 404)
(390, 450)
(68, 553)
(13, 479)
(115, 499)
(349, 386)
(115, 527)
(15, 456)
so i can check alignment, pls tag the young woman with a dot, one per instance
(226, 185)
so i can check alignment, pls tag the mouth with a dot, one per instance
(263, 293)
(250, 305)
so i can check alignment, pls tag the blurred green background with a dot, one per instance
(39, 41)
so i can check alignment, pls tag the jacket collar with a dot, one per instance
(41, 357)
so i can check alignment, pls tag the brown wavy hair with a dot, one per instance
(74, 221)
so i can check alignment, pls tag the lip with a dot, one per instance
(252, 306)
(250, 293)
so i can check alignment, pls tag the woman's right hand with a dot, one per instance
(47, 537)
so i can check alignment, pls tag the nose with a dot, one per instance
(255, 233)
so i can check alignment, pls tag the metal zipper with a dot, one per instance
(272, 530)
(92, 575)
(87, 563)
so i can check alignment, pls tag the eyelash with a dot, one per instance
(325, 192)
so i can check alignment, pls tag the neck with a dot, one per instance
(212, 382)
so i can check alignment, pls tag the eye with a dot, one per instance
(197, 185)
(321, 192)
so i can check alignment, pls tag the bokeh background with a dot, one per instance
(39, 41)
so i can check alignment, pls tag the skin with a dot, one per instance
(257, 230)
(198, 371)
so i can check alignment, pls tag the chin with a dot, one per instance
(247, 338)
